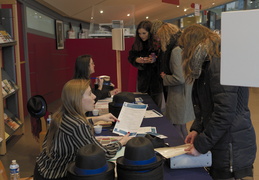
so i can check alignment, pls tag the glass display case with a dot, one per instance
(103, 20)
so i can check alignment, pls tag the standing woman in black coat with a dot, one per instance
(140, 57)
(222, 125)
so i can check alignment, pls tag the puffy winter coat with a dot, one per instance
(223, 123)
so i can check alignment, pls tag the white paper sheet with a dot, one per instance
(145, 130)
(152, 114)
(118, 154)
(169, 152)
(131, 117)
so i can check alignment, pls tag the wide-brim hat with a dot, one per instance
(118, 100)
(140, 161)
(37, 106)
(91, 164)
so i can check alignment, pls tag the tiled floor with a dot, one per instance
(25, 148)
(254, 108)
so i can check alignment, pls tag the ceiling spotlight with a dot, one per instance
(185, 10)
(213, 4)
(101, 11)
(147, 17)
(178, 6)
(128, 14)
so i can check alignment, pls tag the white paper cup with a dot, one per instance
(98, 129)
(95, 112)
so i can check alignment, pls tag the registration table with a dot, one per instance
(163, 126)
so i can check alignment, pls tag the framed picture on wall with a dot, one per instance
(59, 34)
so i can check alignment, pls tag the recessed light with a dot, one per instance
(147, 17)
(128, 14)
(178, 6)
(101, 11)
(185, 10)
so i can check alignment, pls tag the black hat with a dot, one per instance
(91, 164)
(37, 106)
(118, 100)
(156, 141)
(140, 161)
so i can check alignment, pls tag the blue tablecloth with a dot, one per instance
(164, 127)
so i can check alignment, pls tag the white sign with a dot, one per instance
(240, 48)
(197, 10)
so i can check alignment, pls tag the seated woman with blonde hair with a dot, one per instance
(70, 130)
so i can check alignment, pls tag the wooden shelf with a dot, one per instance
(8, 44)
(12, 103)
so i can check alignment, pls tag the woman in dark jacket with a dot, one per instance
(140, 57)
(84, 67)
(222, 125)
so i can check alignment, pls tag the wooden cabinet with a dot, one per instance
(11, 102)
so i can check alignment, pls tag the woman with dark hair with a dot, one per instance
(140, 56)
(222, 124)
(84, 67)
(70, 130)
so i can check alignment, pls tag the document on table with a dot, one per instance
(118, 154)
(145, 130)
(169, 152)
(103, 105)
(142, 131)
(153, 114)
(131, 117)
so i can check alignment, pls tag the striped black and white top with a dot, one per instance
(73, 134)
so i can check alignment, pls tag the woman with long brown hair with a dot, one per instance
(84, 67)
(222, 125)
(148, 70)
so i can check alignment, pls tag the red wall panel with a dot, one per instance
(50, 68)
(46, 63)
(105, 59)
